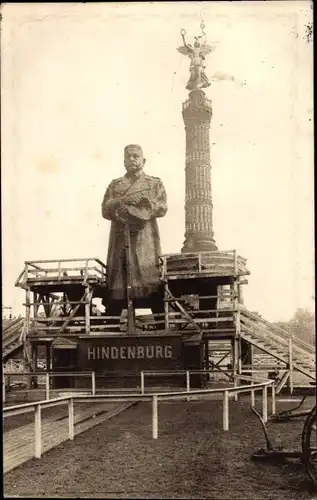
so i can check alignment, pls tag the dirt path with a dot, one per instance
(193, 458)
(18, 442)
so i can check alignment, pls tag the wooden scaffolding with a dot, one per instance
(203, 303)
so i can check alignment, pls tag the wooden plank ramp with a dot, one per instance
(18, 443)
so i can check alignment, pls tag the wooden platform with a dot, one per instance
(203, 264)
(62, 272)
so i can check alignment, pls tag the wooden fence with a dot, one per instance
(254, 386)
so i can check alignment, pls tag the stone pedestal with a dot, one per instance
(199, 235)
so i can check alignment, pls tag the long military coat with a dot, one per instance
(144, 236)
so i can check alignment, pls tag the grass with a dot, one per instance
(193, 458)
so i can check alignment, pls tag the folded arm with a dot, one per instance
(149, 204)
(144, 205)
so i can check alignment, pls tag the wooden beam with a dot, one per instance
(70, 316)
(88, 296)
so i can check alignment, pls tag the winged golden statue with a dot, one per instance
(197, 54)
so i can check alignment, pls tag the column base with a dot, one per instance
(191, 246)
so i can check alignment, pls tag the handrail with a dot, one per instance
(154, 397)
(12, 339)
(56, 269)
(40, 319)
(11, 335)
(279, 335)
(86, 263)
(9, 411)
(262, 331)
(47, 261)
(11, 325)
(51, 374)
(228, 254)
(284, 333)
(161, 395)
(48, 375)
(287, 352)
(194, 254)
(22, 337)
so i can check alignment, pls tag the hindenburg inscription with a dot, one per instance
(130, 352)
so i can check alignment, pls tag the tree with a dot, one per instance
(302, 325)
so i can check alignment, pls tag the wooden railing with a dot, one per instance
(307, 348)
(63, 270)
(7, 376)
(11, 325)
(215, 262)
(53, 325)
(296, 355)
(276, 334)
(255, 385)
(12, 336)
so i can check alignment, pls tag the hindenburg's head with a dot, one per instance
(133, 158)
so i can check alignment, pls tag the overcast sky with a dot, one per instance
(80, 81)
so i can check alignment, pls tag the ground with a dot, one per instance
(193, 458)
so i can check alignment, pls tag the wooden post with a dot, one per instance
(273, 400)
(38, 432)
(264, 403)
(35, 302)
(199, 262)
(47, 385)
(71, 419)
(27, 311)
(232, 295)
(64, 304)
(187, 381)
(164, 266)
(236, 308)
(86, 270)
(237, 337)
(206, 344)
(239, 292)
(187, 384)
(154, 418)
(93, 383)
(166, 308)
(142, 382)
(3, 386)
(87, 310)
(235, 355)
(219, 299)
(239, 357)
(225, 415)
(290, 361)
(252, 397)
(251, 347)
(34, 357)
(235, 384)
(34, 365)
(26, 274)
(48, 357)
